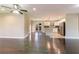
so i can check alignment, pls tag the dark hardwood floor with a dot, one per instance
(40, 43)
(37, 43)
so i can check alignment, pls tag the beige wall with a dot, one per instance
(14, 25)
(72, 26)
(11, 25)
(27, 24)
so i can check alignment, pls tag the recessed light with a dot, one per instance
(34, 9)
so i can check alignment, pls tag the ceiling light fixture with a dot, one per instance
(34, 9)
(15, 11)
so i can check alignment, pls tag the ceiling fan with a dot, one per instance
(16, 9)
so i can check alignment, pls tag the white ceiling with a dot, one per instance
(49, 11)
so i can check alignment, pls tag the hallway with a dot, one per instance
(41, 43)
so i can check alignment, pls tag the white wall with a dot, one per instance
(11, 25)
(72, 33)
(72, 26)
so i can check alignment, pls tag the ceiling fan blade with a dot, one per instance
(20, 12)
(24, 10)
(16, 6)
(6, 7)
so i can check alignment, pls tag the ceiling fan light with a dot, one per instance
(15, 12)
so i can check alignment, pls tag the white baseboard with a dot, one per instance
(11, 37)
(15, 37)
